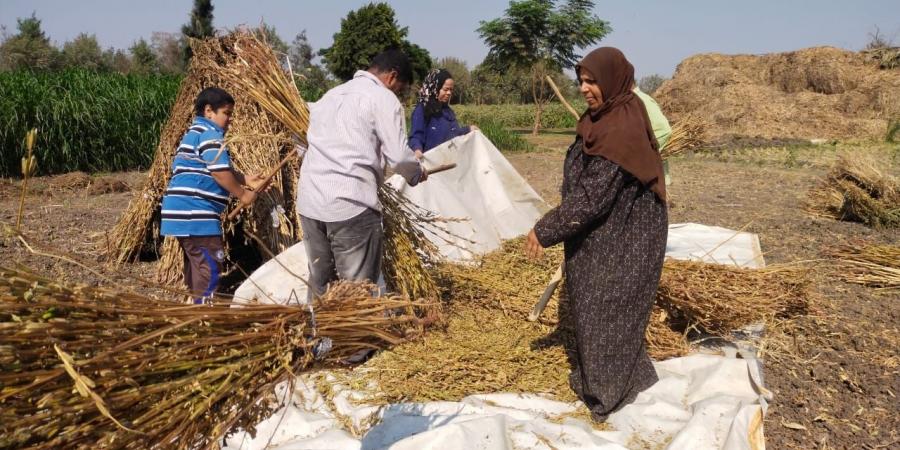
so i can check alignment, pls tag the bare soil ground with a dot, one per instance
(835, 374)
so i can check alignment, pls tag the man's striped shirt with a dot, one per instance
(193, 202)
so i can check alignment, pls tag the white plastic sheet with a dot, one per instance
(701, 401)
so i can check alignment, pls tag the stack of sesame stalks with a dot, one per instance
(150, 373)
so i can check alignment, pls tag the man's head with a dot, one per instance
(216, 105)
(393, 68)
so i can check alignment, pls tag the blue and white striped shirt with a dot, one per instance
(193, 202)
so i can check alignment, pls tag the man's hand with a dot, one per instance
(419, 155)
(533, 247)
(473, 127)
(423, 175)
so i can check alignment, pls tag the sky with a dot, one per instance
(654, 34)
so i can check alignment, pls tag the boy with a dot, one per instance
(202, 179)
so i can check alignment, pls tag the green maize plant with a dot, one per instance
(89, 121)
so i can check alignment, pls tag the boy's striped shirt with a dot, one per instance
(193, 202)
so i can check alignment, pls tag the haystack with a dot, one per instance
(149, 373)
(257, 141)
(821, 92)
(856, 190)
(718, 299)
(270, 116)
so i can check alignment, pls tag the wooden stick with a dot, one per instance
(268, 179)
(562, 99)
(440, 168)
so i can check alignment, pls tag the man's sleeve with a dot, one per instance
(391, 131)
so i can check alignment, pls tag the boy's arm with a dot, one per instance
(229, 181)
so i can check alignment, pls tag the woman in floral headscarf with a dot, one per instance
(433, 122)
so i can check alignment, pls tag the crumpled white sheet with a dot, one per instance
(701, 402)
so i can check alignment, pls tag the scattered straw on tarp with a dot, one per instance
(487, 345)
(149, 373)
(856, 191)
(718, 298)
(876, 266)
(688, 133)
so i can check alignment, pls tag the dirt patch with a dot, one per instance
(107, 185)
(821, 92)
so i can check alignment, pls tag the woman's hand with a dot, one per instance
(473, 127)
(419, 155)
(533, 247)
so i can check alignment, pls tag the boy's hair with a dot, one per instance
(214, 97)
(393, 59)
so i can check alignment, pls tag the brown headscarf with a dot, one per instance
(620, 130)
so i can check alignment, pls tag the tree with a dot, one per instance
(143, 59)
(312, 80)
(117, 60)
(533, 34)
(462, 78)
(651, 83)
(268, 34)
(301, 53)
(83, 52)
(200, 25)
(365, 33)
(168, 52)
(29, 48)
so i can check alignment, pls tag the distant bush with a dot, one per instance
(503, 138)
(516, 116)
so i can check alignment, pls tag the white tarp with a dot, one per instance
(701, 401)
(484, 189)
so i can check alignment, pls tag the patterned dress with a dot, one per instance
(614, 231)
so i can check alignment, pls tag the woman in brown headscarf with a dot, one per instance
(613, 223)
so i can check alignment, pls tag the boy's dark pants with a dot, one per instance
(203, 256)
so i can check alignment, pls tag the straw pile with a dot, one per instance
(257, 140)
(149, 373)
(688, 133)
(855, 190)
(718, 299)
(876, 266)
(821, 92)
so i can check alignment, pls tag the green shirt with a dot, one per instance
(658, 122)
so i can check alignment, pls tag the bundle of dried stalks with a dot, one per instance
(257, 140)
(408, 254)
(688, 133)
(719, 299)
(855, 190)
(156, 374)
(877, 266)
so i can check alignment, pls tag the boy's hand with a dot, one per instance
(254, 181)
(247, 198)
